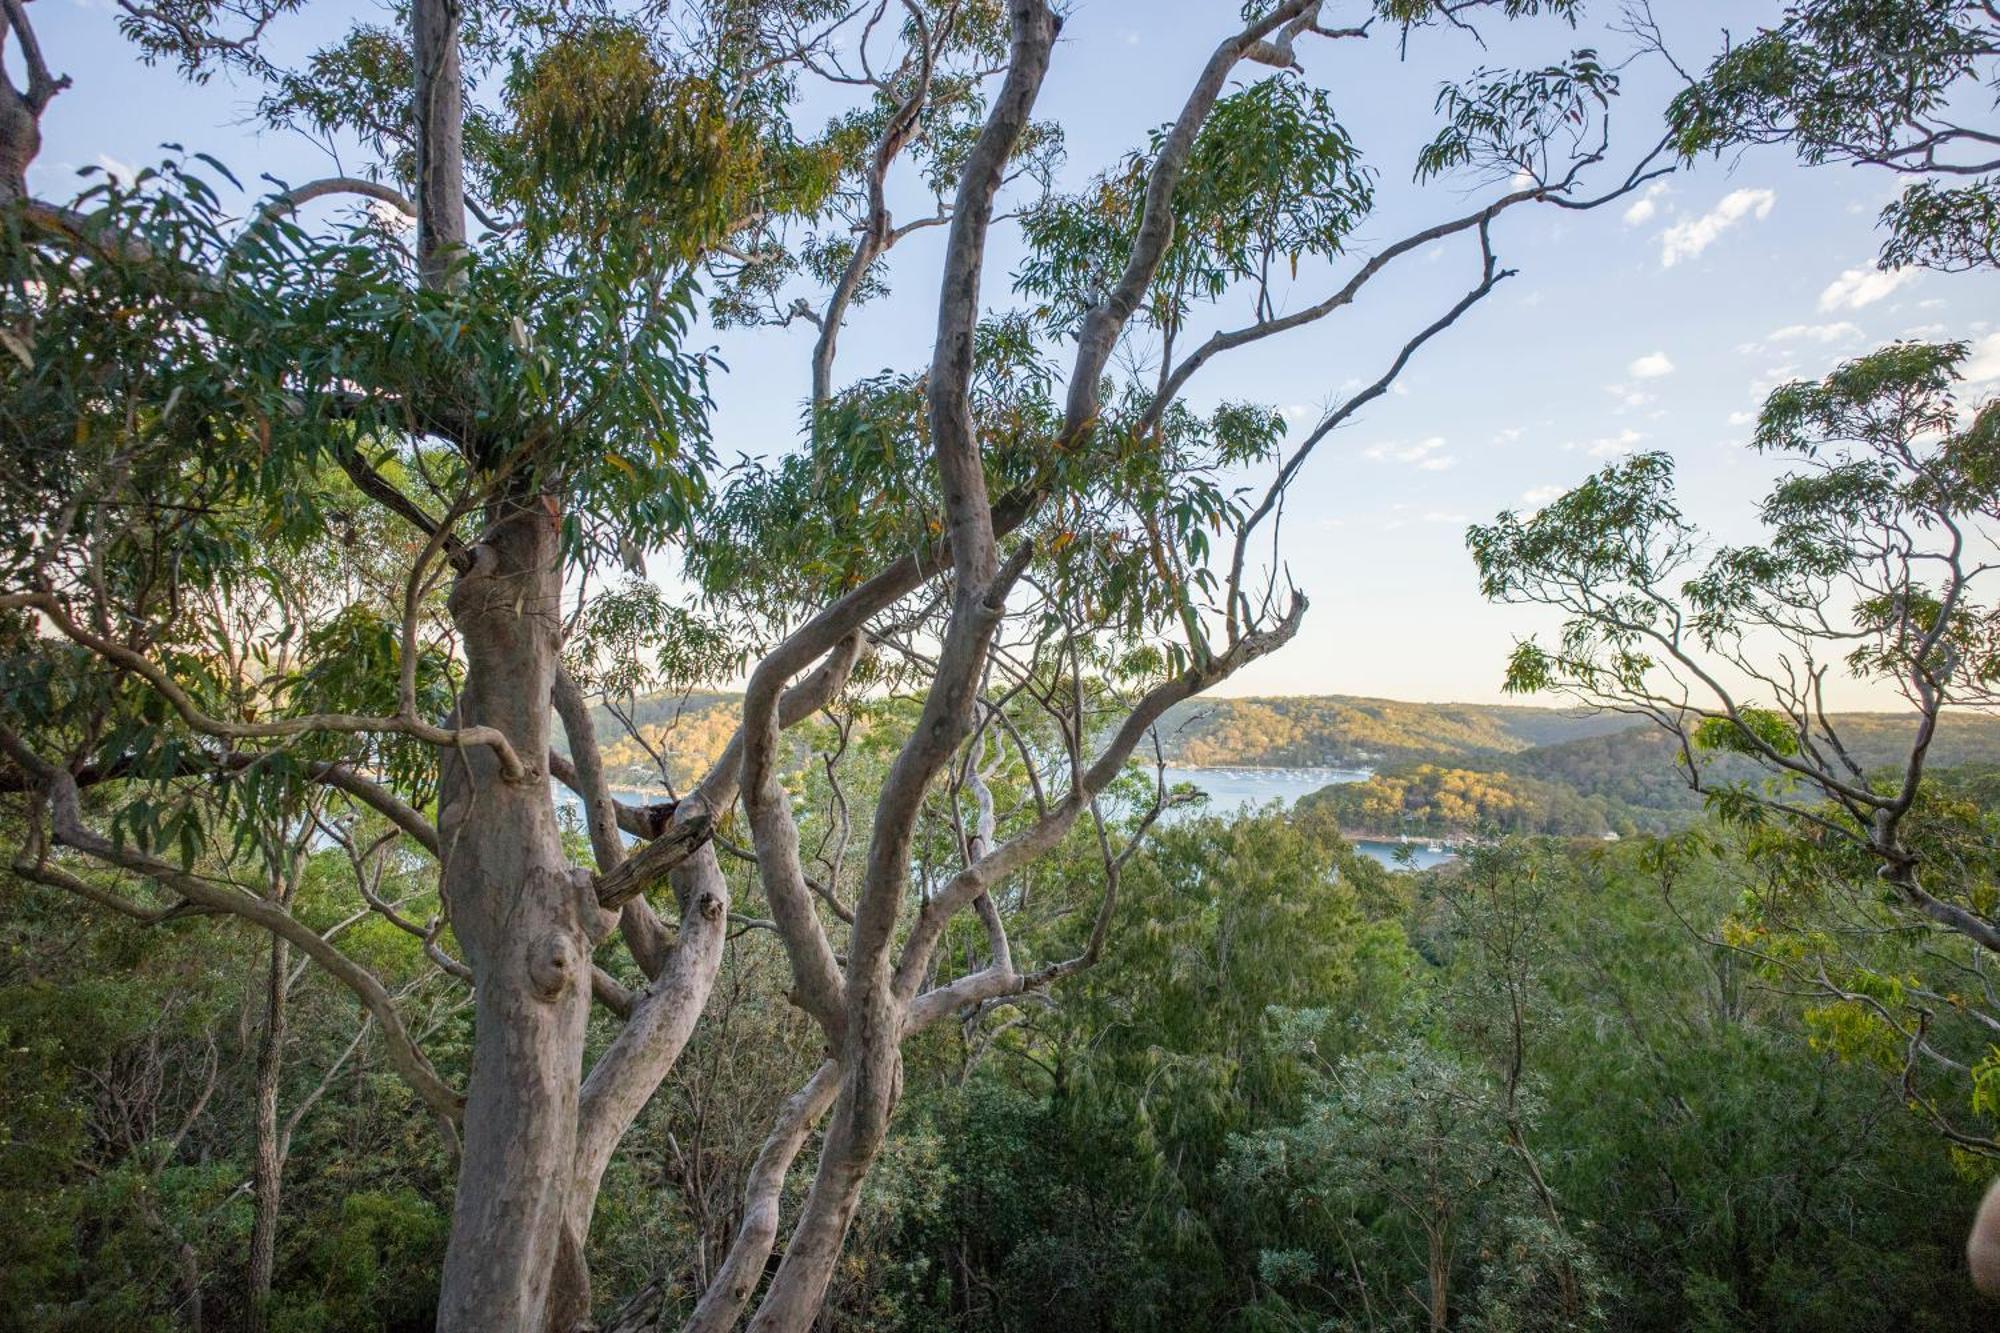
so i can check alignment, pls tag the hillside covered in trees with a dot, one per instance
(1624, 782)
(1346, 731)
(1439, 770)
(1309, 730)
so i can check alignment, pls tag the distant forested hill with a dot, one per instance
(1440, 768)
(686, 732)
(1305, 730)
(1288, 732)
(1622, 782)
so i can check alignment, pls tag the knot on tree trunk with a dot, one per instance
(552, 963)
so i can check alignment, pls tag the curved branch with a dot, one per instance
(1106, 321)
(693, 819)
(291, 200)
(877, 236)
(637, 922)
(1490, 276)
(990, 870)
(722, 1304)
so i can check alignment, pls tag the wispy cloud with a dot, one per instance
(1983, 366)
(1840, 331)
(120, 172)
(1611, 446)
(1424, 454)
(1858, 287)
(1691, 236)
(1647, 206)
(390, 216)
(1772, 378)
(1650, 366)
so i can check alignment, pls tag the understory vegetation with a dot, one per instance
(1538, 1089)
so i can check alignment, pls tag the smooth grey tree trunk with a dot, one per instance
(527, 925)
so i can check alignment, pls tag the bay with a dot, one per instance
(1235, 790)
(1230, 791)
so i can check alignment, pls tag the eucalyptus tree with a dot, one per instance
(410, 474)
(1877, 566)
(1892, 85)
(1879, 544)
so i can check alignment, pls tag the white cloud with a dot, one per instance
(1983, 366)
(1650, 367)
(390, 216)
(1741, 418)
(1858, 287)
(1540, 496)
(1439, 516)
(1629, 398)
(121, 173)
(1507, 435)
(1819, 333)
(1612, 445)
(1646, 207)
(1393, 452)
(1688, 238)
(1424, 454)
(1762, 385)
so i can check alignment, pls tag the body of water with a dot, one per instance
(1232, 790)
(1229, 790)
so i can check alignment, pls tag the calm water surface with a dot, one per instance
(1229, 790)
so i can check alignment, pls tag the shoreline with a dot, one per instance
(1273, 768)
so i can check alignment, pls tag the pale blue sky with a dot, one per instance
(1651, 326)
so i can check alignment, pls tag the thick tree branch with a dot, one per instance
(693, 818)
(643, 933)
(728, 1293)
(1106, 321)
(440, 99)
